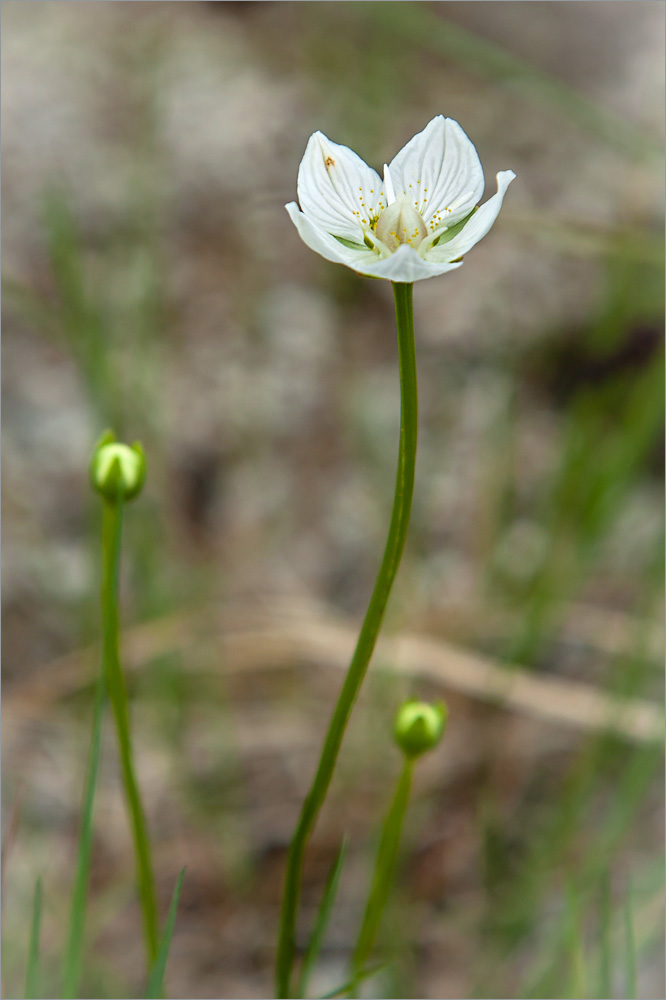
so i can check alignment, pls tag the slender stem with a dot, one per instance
(75, 939)
(404, 488)
(115, 685)
(387, 856)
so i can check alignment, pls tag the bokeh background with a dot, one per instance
(153, 283)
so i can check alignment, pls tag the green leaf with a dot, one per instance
(323, 915)
(157, 976)
(32, 972)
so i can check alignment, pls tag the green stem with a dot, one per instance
(115, 685)
(387, 856)
(75, 939)
(395, 543)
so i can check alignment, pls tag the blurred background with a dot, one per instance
(153, 283)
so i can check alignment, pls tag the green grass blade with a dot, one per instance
(75, 940)
(575, 945)
(351, 983)
(605, 943)
(79, 312)
(157, 976)
(32, 972)
(629, 949)
(323, 915)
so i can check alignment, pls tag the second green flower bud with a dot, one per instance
(117, 471)
(420, 726)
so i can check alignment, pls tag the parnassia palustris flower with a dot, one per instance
(418, 222)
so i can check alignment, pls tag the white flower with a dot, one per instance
(417, 223)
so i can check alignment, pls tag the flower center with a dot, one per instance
(401, 223)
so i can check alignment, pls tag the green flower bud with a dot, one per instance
(117, 471)
(419, 726)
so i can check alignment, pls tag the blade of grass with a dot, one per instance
(75, 941)
(157, 976)
(82, 319)
(32, 972)
(575, 947)
(630, 786)
(345, 988)
(605, 943)
(629, 948)
(323, 915)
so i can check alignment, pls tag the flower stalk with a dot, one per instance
(117, 473)
(418, 728)
(117, 693)
(382, 881)
(402, 502)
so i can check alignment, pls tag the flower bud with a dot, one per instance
(117, 471)
(419, 726)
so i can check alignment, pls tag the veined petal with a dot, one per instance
(323, 243)
(479, 224)
(403, 265)
(337, 190)
(439, 169)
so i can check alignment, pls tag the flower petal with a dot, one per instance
(404, 265)
(439, 169)
(479, 224)
(337, 190)
(322, 242)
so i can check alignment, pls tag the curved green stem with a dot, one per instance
(115, 685)
(387, 856)
(402, 502)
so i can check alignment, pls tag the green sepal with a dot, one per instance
(454, 230)
(351, 244)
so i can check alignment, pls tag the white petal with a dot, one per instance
(337, 190)
(477, 227)
(322, 242)
(388, 186)
(404, 265)
(439, 169)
